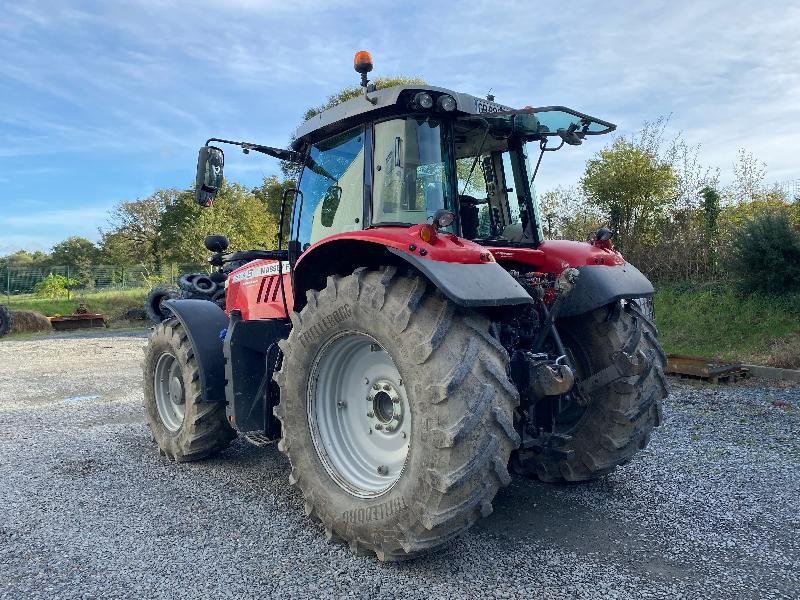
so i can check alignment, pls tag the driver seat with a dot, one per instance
(468, 215)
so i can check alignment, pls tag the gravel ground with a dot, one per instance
(89, 509)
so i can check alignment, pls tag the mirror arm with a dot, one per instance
(279, 153)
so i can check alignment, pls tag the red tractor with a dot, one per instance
(418, 339)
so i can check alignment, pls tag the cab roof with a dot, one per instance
(387, 102)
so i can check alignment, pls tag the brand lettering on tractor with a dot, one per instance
(327, 322)
(261, 271)
(487, 106)
(374, 513)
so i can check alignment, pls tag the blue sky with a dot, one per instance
(106, 101)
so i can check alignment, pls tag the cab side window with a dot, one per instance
(332, 189)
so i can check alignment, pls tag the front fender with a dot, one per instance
(204, 322)
(599, 285)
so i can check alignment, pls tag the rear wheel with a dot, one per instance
(183, 427)
(6, 321)
(621, 399)
(396, 412)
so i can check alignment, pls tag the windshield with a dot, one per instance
(411, 172)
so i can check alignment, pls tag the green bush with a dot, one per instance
(766, 254)
(55, 286)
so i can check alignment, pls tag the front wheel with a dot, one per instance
(396, 412)
(183, 427)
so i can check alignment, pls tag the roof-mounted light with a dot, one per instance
(423, 100)
(446, 103)
(362, 62)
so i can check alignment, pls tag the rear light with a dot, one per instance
(427, 234)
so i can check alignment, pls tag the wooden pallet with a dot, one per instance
(713, 370)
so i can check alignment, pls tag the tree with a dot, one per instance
(270, 193)
(74, 251)
(136, 228)
(55, 286)
(766, 254)
(237, 213)
(748, 178)
(568, 215)
(24, 258)
(633, 187)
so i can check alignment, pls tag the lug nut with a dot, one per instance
(396, 400)
(376, 387)
(378, 426)
(370, 414)
(383, 470)
(404, 434)
(341, 404)
(386, 387)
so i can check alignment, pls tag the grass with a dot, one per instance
(701, 319)
(113, 304)
(717, 320)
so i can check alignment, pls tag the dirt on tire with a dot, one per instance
(204, 430)
(461, 400)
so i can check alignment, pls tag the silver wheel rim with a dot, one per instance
(168, 388)
(358, 414)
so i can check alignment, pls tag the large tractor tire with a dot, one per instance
(6, 320)
(154, 304)
(620, 408)
(184, 428)
(397, 413)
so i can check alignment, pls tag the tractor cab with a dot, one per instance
(395, 157)
(417, 151)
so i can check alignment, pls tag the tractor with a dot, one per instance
(417, 341)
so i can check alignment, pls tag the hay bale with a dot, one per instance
(27, 321)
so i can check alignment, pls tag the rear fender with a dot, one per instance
(465, 279)
(599, 285)
(205, 324)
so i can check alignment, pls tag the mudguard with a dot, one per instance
(470, 285)
(251, 352)
(599, 285)
(205, 324)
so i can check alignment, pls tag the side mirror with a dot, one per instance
(571, 136)
(210, 162)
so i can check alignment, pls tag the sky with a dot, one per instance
(102, 102)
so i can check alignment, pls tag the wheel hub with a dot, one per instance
(362, 445)
(386, 413)
(169, 392)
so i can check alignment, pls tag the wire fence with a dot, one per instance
(23, 280)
